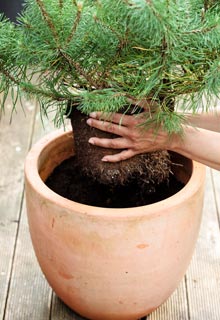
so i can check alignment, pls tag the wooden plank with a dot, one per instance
(14, 144)
(29, 296)
(7, 241)
(203, 276)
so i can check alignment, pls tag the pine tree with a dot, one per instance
(100, 54)
(100, 51)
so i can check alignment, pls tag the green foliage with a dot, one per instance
(100, 54)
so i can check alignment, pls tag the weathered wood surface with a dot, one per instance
(15, 141)
(25, 294)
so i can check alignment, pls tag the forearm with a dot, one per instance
(200, 145)
(208, 121)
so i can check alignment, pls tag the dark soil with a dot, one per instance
(69, 181)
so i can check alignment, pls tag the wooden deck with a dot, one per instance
(24, 292)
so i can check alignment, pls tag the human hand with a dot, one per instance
(133, 138)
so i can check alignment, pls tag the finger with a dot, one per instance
(117, 143)
(124, 155)
(108, 127)
(119, 118)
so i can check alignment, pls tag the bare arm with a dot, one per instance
(208, 121)
(198, 144)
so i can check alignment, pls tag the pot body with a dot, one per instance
(110, 264)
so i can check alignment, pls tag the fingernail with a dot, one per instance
(105, 159)
(91, 140)
(89, 122)
(93, 114)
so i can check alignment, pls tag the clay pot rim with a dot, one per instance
(33, 178)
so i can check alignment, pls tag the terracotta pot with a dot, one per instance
(110, 264)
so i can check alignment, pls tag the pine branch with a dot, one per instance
(48, 19)
(202, 30)
(79, 69)
(61, 4)
(8, 75)
(76, 22)
(120, 38)
(208, 4)
(30, 88)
